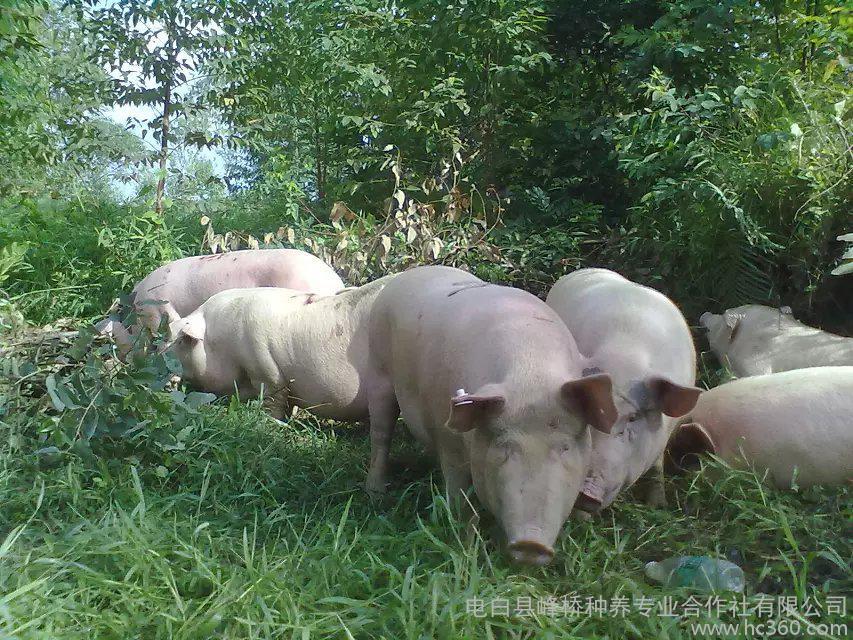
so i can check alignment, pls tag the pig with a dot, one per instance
(179, 287)
(489, 378)
(753, 340)
(304, 350)
(638, 336)
(797, 426)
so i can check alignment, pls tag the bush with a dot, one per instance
(80, 255)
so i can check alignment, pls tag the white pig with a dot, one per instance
(753, 340)
(304, 350)
(491, 380)
(638, 336)
(796, 420)
(179, 287)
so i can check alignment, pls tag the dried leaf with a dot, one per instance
(411, 235)
(384, 246)
(341, 211)
(844, 269)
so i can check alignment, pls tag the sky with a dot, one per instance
(121, 113)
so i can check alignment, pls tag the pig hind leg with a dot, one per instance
(384, 411)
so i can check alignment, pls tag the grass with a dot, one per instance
(255, 530)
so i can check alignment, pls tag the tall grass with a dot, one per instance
(256, 530)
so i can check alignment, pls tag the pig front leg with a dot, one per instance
(278, 404)
(457, 478)
(655, 491)
(384, 411)
(456, 470)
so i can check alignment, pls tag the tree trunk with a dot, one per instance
(777, 34)
(319, 169)
(164, 146)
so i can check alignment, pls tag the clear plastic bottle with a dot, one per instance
(699, 572)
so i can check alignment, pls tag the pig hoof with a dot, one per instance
(581, 516)
(375, 489)
(656, 499)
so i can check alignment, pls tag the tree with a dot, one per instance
(320, 91)
(153, 50)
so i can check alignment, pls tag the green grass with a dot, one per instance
(261, 531)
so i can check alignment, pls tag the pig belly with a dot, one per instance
(417, 421)
(339, 397)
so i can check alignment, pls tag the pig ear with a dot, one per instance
(688, 441)
(673, 399)
(191, 327)
(732, 320)
(592, 397)
(471, 410)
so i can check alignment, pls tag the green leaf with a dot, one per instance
(196, 399)
(50, 383)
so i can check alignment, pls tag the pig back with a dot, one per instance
(435, 330)
(605, 312)
(323, 350)
(188, 282)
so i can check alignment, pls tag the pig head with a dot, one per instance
(528, 455)
(647, 405)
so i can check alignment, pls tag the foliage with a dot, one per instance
(433, 80)
(52, 137)
(152, 50)
(80, 255)
(98, 402)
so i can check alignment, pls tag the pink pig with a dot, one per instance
(178, 288)
(490, 379)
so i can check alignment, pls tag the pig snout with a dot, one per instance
(528, 548)
(591, 496)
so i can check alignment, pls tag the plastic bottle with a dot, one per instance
(699, 572)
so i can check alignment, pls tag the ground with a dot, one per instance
(259, 530)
